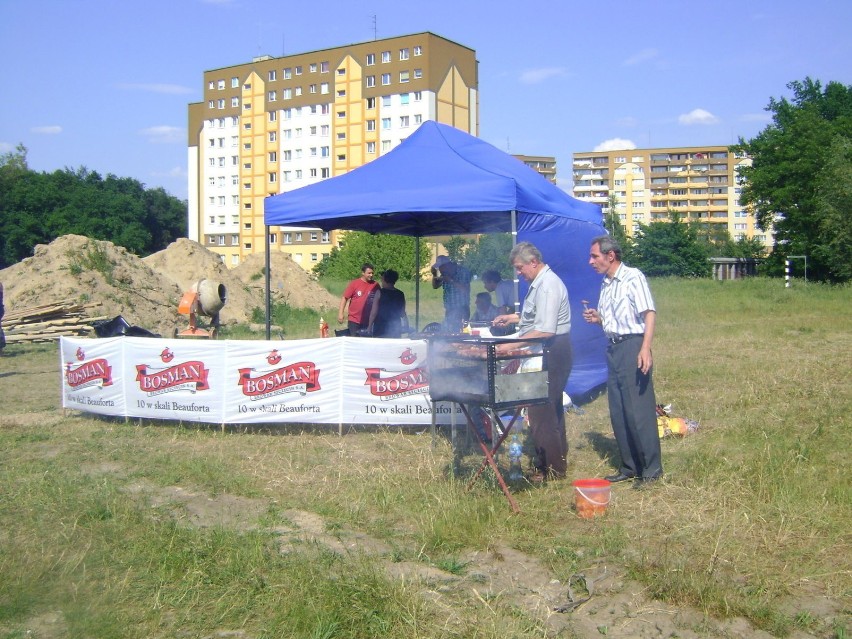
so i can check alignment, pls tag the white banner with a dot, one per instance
(343, 380)
(93, 375)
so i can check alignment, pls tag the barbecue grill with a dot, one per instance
(467, 370)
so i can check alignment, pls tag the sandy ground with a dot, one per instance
(147, 291)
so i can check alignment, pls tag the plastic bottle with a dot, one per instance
(323, 328)
(465, 328)
(516, 451)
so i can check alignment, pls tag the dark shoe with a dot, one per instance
(641, 483)
(614, 479)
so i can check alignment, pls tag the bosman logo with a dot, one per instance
(190, 376)
(298, 377)
(388, 386)
(98, 372)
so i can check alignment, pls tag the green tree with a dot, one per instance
(490, 251)
(670, 249)
(796, 180)
(382, 251)
(613, 226)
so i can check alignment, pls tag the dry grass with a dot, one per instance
(151, 529)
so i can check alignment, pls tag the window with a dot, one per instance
(371, 125)
(403, 98)
(386, 145)
(325, 151)
(220, 104)
(273, 156)
(312, 88)
(220, 84)
(324, 130)
(313, 151)
(314, 257)
(312, 67)
(298, 237)
(273, 75)
(288, 238)
(313, 131)
(371, 80)
(273, 136)
(418, 50)
(272, 238)
(211, 85)
(341, 135)
(371, 59)
(341, 71)
(418, 118)
(371, 148)
(371, 103)
(403, 54)
(324, 173)
(341, 93)
(235, 102)
(324, 88)
(288, 73)
(287, 94)
(288, 156)
(386, 100)
(386, 123)
(299, 174)
(418, 96)
(312, 173)
(299, 70)
(341, 114)
(273, 177)
(418, 73)
(287, 134)
(386, 57)
(324, 67)
(403, 121)
(235, 83)
(341, 157)
(272, 96)
(385, 79)
(273, 116)
(404, 76)
(298, 91)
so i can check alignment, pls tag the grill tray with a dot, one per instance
(466, 369)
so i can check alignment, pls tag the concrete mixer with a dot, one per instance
(205, 298)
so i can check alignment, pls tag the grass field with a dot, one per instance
(115, 529)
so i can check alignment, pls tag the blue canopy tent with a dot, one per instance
(443, 181)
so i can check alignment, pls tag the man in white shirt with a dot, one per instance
(627, 315)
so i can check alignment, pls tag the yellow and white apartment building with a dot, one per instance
(699, 183)
(279, 123)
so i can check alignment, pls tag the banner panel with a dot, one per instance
(283, 381)
(180, 379)
(93, 375)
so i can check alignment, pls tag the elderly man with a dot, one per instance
(455, 280)
(627, 315)
(545, 313)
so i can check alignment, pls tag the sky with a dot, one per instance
(105, 84)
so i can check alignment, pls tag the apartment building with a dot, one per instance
(543, 164)
(700, 183)
(279, 123)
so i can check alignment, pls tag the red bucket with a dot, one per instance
(591, 497)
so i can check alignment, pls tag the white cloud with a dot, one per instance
(615, 144)
(164, 134)
(697, 116)
(171, 89)
(53, 129)
(644, 55)
(536, 76)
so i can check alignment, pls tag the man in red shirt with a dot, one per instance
(359, 295)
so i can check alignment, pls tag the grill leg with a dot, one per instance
(489, 454)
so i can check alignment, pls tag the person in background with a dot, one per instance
(455, 280)
(504, 290)
(388, 318)
(545, 314)
(485, 310)
(358, 296)
(627, 315)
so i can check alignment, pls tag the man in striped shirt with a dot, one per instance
(627, 315)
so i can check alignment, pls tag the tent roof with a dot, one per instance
(439, 181)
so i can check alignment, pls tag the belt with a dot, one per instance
(617, 339)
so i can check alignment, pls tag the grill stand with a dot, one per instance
(489, 451)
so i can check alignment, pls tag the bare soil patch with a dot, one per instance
(147, 291)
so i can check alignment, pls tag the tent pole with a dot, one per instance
(417, 283)
(268, 282)
(514, 217)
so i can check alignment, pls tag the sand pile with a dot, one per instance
(146, 292)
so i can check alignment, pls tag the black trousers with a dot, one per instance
(633, 410)
(547, 421)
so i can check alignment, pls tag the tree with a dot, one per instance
(382, 251)
(670, 249)
(490, 252)
(613, 226)
(797, 179)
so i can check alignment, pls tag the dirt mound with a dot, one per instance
(288, 281)
(146, 292)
